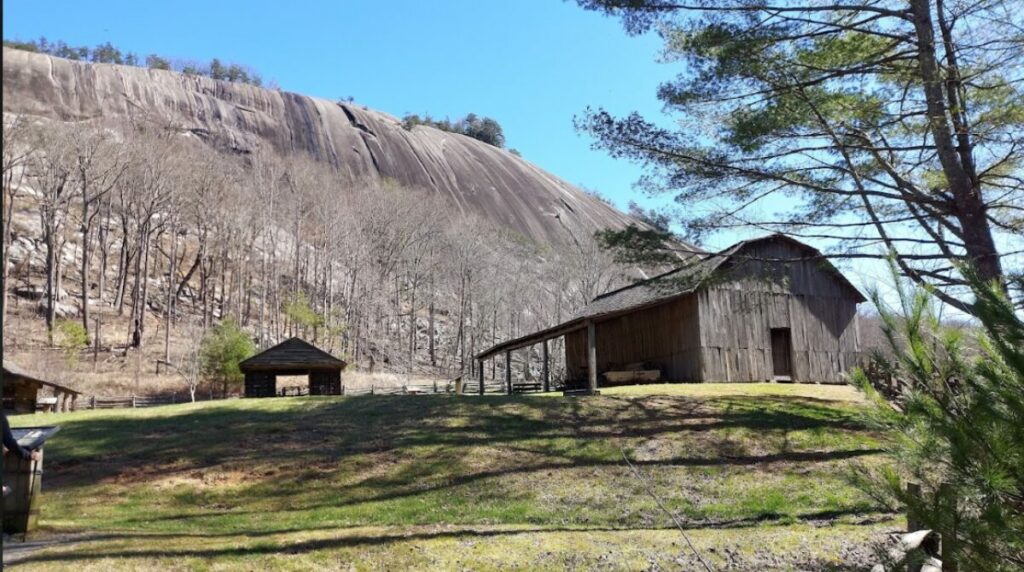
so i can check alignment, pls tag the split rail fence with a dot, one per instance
(491, 387)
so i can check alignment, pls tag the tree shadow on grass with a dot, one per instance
(78, 553)
(324, 431)
(305, 440)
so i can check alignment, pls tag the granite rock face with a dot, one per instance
(364, 145)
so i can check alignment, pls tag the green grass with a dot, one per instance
(757, 472)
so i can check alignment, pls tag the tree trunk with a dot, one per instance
(430, 327)
(956, 161)
(144, 296)
(168, 309)
(104, 251)
(51, 292)
(84, 269)
(124, 260)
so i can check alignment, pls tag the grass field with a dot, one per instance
(756, 473)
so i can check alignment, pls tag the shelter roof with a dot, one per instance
(292, 354)
(14, 373)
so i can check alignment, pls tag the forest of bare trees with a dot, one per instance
(166, 232)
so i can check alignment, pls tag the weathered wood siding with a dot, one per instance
(667, 335)
(20, 395)
(325, 383)
(260, 384)
(753, 295)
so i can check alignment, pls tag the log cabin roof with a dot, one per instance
(665, 287)
(291, 355)
(15, 373)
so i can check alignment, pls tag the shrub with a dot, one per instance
(224, 346)
(480, 128)
(302, 314)
(960, 433)
(73, 339)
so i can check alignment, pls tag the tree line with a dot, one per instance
(107, 53)
(480, 128)
(162, 229)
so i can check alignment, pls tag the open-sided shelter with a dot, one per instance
(772, 308)
(292, 357)
(23, 391)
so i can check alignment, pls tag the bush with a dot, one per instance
(960, 433)
(224, 346)
(73, 339)
(302, 314)
(480, 128)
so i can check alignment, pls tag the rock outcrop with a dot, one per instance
(362, 144)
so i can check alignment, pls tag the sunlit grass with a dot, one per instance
(725, 456)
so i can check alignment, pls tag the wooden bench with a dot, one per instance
(46, 404)
(527, 387)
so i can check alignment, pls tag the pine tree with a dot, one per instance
(960, 433)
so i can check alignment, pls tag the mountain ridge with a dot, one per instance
(362, 144)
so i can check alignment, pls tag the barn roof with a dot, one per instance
(662, 288)
(292, 354)
(690, 277)
(14, 373)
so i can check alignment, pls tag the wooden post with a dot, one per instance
(133, 400)
(547, 370)
(913, 490)
(481, 376)
(591, 358)
(508, 371)
(96, 341)
(949, 502)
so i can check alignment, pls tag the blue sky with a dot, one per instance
(530, 64)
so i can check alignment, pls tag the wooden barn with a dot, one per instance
(772, 308)
(292, 357)
(26, 393)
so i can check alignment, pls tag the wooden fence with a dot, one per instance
(491, 387)
(128, 401)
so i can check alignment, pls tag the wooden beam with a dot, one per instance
(508, 371)
(481, 375)
(547, 370)
(529, 340)
(591, 358)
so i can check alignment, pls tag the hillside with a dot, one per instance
(757, 473)
(403, 249)
(364, 145)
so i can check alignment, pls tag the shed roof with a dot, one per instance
(292, 354)
(14, 372)
(662, 288)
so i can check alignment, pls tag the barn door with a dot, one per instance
(782, 352)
